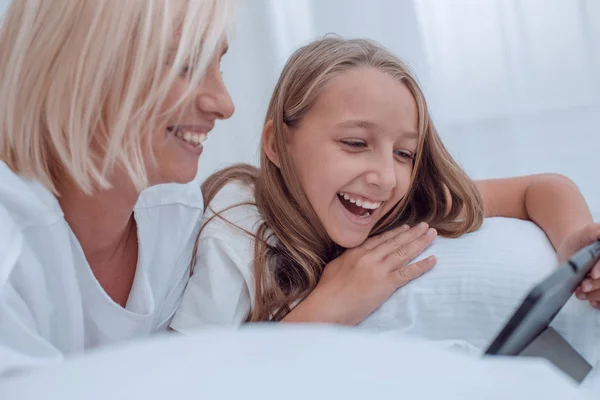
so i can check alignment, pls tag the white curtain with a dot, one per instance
(514, 85)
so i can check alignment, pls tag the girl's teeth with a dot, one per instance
(362, 203)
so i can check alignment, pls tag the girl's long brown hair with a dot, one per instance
(286, 272)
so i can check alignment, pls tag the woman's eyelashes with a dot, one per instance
(185, 70)
(358, 145)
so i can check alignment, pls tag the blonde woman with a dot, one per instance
(99, 101)
(348, 151)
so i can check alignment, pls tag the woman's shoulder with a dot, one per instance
(26, 201)
(10, 245)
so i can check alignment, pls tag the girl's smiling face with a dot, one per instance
(354, 150)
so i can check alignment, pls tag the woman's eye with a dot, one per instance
(185, 70)
(355, 144)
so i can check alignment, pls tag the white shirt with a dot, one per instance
(221, 288)
(51, 305)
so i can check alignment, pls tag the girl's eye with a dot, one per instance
(404, 155)
(355, 144)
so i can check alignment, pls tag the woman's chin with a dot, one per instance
(184, 177)
(181, 176)
(180, 171)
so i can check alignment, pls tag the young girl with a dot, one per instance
(350, 160)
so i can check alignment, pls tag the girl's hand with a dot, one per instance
(589, 290)
(361, 279)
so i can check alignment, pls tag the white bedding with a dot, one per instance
(292, 363)
(479, 280)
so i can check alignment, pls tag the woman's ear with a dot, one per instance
(269, 145)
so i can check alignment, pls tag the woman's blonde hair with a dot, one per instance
(82, 81)
(440, 193)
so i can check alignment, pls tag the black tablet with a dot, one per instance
(543, 302)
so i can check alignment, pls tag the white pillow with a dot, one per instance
(478, 282)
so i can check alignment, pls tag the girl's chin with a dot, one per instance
(350, 242)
